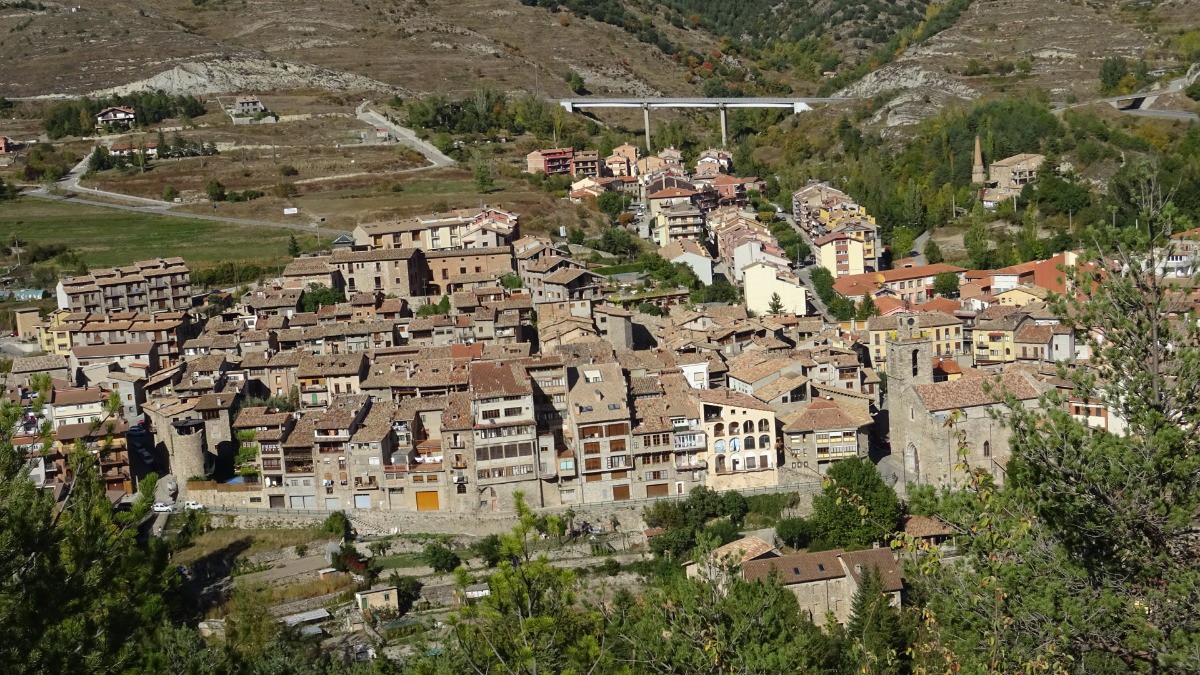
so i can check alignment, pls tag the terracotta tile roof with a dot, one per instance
(743, 550)
(824, 415)
(38, 364)
(498, 379)
(971, 392)
(125, 349)
(880, 558)
(257, 416)
(924, 526)
(728, 397)
(796, 569)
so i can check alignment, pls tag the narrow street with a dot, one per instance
(804, 272)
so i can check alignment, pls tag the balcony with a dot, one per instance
(314, 389)
(299, 468)
(368, 484)
(694, 465)
(332, 435)
(458, 465)
(690, 441)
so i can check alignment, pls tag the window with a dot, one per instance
(490, 414)
(512, 412)
(764, 442)
(764, 425)
(749, 443)
(750, 462)
(987, 448)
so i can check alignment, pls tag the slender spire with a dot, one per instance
(978, 174)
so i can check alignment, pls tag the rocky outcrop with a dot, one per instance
(237, 74)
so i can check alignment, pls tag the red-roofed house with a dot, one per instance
(914, 284)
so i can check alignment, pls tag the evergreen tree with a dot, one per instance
(293, 246)
(776, 306)
(1086, 560)
(866, 308)
(932, 252)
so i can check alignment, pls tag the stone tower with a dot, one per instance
(909, 354)
(978, 173)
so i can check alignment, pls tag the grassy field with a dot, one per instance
(260, 540)
(403, 560)
(109, 237)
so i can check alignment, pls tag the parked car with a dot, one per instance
(146, 457)
(160, 507)
(193, 506)
(137, 430)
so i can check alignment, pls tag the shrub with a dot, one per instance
(610, 567)
(441, 558)
(337, 524)
(288, 170)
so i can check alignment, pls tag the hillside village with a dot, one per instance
(460, 361)
(381, 343)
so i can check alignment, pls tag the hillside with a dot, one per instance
(409, 46)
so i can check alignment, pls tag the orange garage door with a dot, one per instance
(427, 501)
(620, 492)
(660, 490)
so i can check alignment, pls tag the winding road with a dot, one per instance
(70, 182)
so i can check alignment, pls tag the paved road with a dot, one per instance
(805, 271)
(1174, 86)
(405, 135)
(70, 183)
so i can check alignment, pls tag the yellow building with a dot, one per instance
(54, 333)
(1022, 295)
(995, 339)
(841, 254)
(946, 332)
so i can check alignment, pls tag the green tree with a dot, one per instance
(855, 508)
(408, 590)
(483, 179)
(293, 246)
(795, 532)
(776, 304)
(932, 252)
(169, 194)
(1113, 69)
(841, 308)
(734, 505)
(441, 308)
(822, 281)
(866, 308)
(903, 240)
(337, 525)
(575, 81)
(1086, 555)
(215, 191)
(440, 557)
(612, 203)
(317, 296)
(511, 281)
(488, 549)
(976, 242)
(945, 284)
(879, 636)
(78, 592)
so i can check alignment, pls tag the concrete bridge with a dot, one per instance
(797, 105)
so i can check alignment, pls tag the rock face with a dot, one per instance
(230, 75)
(904, 76)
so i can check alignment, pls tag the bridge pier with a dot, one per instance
(724, 138)
(646, 123)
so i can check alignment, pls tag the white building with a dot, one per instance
(762, 282)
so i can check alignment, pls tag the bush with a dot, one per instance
(488, 549)
(795, 532)
(288, 170)
(610, 567)
(301, 550)
(169, 194)
(441, 558)
(337, 525)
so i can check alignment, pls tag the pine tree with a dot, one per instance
(776, 306)
(293, 246)
(866, 308)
